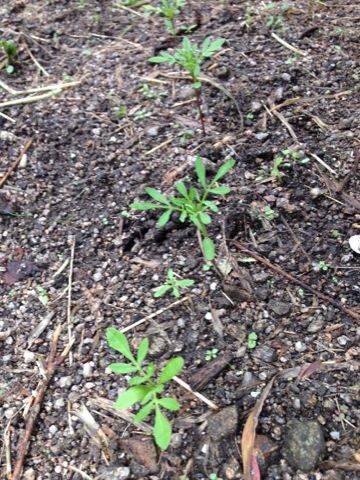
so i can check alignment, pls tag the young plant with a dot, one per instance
(190, 57)
(168, 9)
(172, 283)
(10, 49)
(191, 204)
(211, 354)
(252, 340)
(145, 388)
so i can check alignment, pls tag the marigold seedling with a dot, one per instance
(191, 204)
(168, 9)
(10, 49)
(172, 284)
(145, 386)
(190, 57)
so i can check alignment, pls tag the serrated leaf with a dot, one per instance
(208, 248)
(220, 190)
(161, 290)
(209, 48)
(176, 292)
(142, 350)
(162, 430)
(118, 342)
(156, 195)
(143, 412)
(200, 171)
(172, 368)
(144, 206)
(223, 169)
(169, 403)
(122, 368)
(130, 396)
(164, 218)
(164, 57)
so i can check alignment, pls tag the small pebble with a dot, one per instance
(300, 347)
(53, 429)
(343, 340)
(335, 435)
(97, 276)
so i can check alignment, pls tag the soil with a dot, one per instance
(64, 213)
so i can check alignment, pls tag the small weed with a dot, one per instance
(172, 283)
(268, 212)
(249, 115)
(120, 111)
(145, 388)
(284, 159)
(42, 295)
(190, 57)
(191, 204)
(300, 292)
(141, 115)
(211, 354)
(321, 266)
(335, 233)
(149, 93)
(291, 60)
(10, 49)
(251, 340)
(168, 9)
(274, 19)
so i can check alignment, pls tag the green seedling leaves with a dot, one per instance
(163, 57)
(162, 430)
(144, 206)
(208, 249)
(200, 171)
(164, 218)
(156, 195)
(208, 47)
(172, 283)
(172, 368)
(159, 291)
(118, 341)
(224, 169)
(145, 389)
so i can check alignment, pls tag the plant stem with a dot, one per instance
(201, 114)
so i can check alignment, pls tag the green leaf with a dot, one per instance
(145, 206)
(144, 411)
(130, 396)
(164, 218)
(200, 171)
(196, 85)
(138, 380)
(164, 57)
(170, 274)
(169, 403)
(118, 342)
(172, 368)
(161, 290)
(211, 205)
(208, 248)
(183, 216)
(186, 282)
(181, 188)
(208, 48)
(205, 218)
(122, 368)
(162, 430)
(156, 195)
(176, 292)
(223, 169)
(142, 350)
(221, 190)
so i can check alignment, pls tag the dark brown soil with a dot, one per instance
(95, 146)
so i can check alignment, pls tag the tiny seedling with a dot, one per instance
(322, 266)
(172, 283)
(335, 233)
(252, 340)
(10, 49)
(190, 57)
(268, 212)
(120, 111)
(149, 92)
(168, 9)
(141, 115)
(211, 354)
(42, 295)
(191, 204)
(145, 388)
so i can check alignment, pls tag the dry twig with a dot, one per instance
(16, 162)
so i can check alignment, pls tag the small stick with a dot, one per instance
(275, 268)
(29, 99)
(287, 45)
(40, 67)
(9, 119)
(201, 113)
(163, 144)
(45, 88)
(71, 270)
(155, 314)
(52, 362)
(325, 165)
(196, 394)
(16, 162)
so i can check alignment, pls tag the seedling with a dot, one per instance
(42, 295)
(168, 9)
(252, 340)
(149, 93)
(172, 283)
(190, 57)
(145, 388)
(141, 115)
(211, 354)
(191, 204)
(322, 266)
(268, 212)
(10, 49)
(120, 111)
